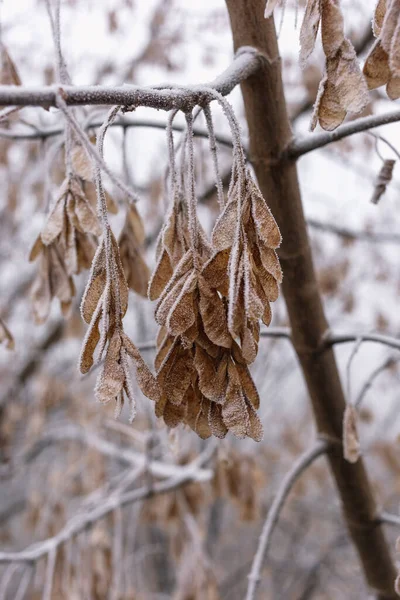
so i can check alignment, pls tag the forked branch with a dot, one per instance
(300, 466)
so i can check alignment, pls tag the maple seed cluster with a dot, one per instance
(211, 297)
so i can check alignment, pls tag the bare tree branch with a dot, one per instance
(247, 61)
(303, 462)
(80, 522)
(313, 142)
(74, 433)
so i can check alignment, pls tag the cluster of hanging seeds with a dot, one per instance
(342, 89)
(211, 297)
(104, 305)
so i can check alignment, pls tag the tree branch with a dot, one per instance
(312, 142)
(269, 135)
(303, 462)
(167, 97)
(80, 522)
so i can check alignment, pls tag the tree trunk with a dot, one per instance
(270, 133)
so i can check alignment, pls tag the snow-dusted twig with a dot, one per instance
(80, 522)
(367, 236)
(312, 142)
(387, 364)
(124, 122)
(77, 434)
(303, 462)
(388, 518)
(246, 62)
(333, 339)
(214, 154)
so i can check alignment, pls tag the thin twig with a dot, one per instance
(389, 362)
(303, 462)
(81, 522)
(313, 142)
(388, 518)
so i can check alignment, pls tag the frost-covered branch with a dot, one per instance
(313, 142)
(304, 461)
(122, 122)
(246, 62)
(80, 522)
(77, 434)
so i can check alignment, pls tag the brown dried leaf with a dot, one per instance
(56, 219)
(234, 412)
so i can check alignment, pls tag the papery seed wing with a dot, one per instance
(167, 301)
(328, 110)
(379, 16)
(87, 218)
(182, 314)
(90, 342)
(234, 412)
(81, 163)
(265, 224)
(55, 221)
(215, 271)
(179, 377)
(60, 285)
(249, 344)
(86, 248)
(393, 88)
(145, 378)
(96, 283)
(36, 249)
(111, 380)
(224, 229)
(332, 26)
(214, 316)
(389, 25)
(254, 427)
(174, 414)
(161, 276)
(122, 283)
(248, 386)
(270, 261)
(215, 421)
(136, 224)
(309, 29)
(204, 365)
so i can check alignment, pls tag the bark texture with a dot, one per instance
(270, 134)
